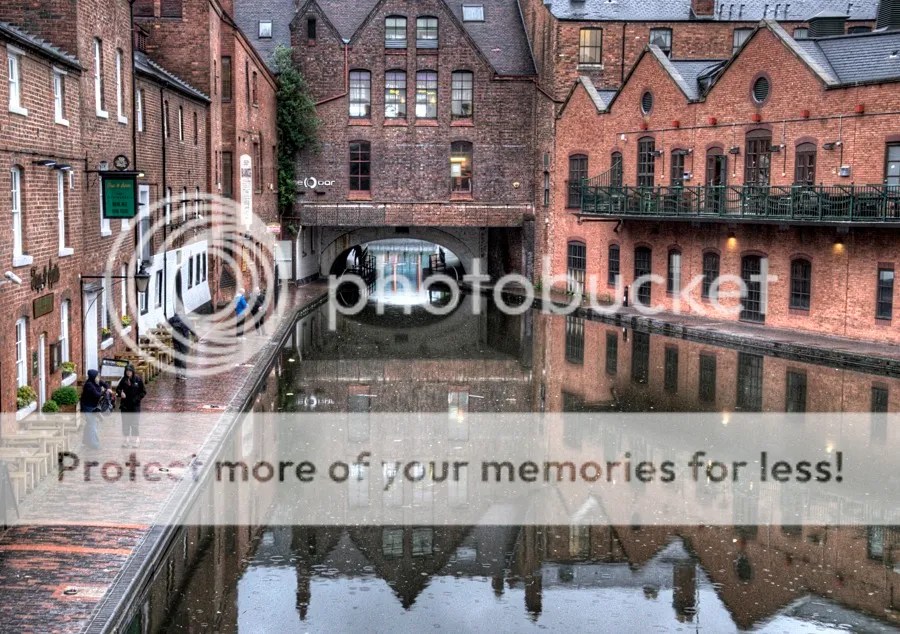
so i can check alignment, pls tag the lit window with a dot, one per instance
(426, 94)
(15, 81)
(120, 100)
(395, 32)
(473, 13)
(427, 32)
(461, 167)
(395, 94)
(265, 29)
(462, 83)
(590, 46)
(21, 352)
(59, 97)
(360, 94)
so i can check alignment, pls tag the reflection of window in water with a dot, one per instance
(795, 400)
(579, 541)
(640, 357)
(671, 369)
(359, 405)
(422, 542)
(875, 542)
(612, 353)
(574, 339)
(391, 484)
(392, 542)
(743, 568)
(358, 484)
(422, 488)
(566, 574)
(457, 415)
(878, 431)
(707, 378)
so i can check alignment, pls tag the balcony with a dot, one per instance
(831, 205)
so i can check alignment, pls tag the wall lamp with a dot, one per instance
(734, 150)
(831, 145)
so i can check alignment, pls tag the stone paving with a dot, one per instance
(53, 578)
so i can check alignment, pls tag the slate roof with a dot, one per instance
(147, 67)
(688, 72)
(858, 59)
(673, 10)
(247, 14)
(346, 15)
(501, 37)
(25, 39)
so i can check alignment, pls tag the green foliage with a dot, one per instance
(67, 395)
(50, 407)
(25, 396)
(67, 367)
(298, 124)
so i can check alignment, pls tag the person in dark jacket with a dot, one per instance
(93, 392)
(131, 391)
(259, 301)
(181, 339)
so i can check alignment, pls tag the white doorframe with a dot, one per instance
(89, 333)
(42, 370)
(143, 216)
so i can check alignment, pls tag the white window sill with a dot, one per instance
(105, 233)
(123, 120)
(66, 251)
(69, 380)
(26, 411)
(22, 260)
(64, 122)
(126, 330)
(103, 114)
(107, 343)
(18, 110)
(125, 225)
(583, 66)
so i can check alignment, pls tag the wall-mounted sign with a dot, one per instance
(274, 229)
(47, 276)
(312, 182)
(42, 305)
(246, 190)
(119, 195)
(121, 162)
(113, 368)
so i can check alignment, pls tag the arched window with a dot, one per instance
(805, 164)
(646, 167)
(615, 173)
(642, 267)
(673, 276)
(710, 275)
(426, 94)
(759, 158)
(578, 170)
(360, 94)
(395, 94)
(461, 167)
(676, 173)
(577, 264)
(801, 283)
(613, 265)
(462, 94)
(395, 31)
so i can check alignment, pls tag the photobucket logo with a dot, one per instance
(650, 294)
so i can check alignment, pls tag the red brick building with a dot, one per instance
(782, 160)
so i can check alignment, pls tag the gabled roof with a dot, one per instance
(281, 12)
(686, 73)
(147, 67)
(27, 40)
(347, 15)
(678, 10)
(863, 58)
(601, 98)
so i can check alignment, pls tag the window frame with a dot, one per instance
(14, 63)
(21, 352)
(478, 15)
(800, 296)
(227, 79)
(139, 109)
(458, 92)
(64, 249)
(578, 171)
(424, 26)
(758, 158)
(395, 80)
(120, 89)
(16, 175)
(260, 30)
(590, 53)
(662, 31)
(708, 288)
(392, 30)
(576, 265)
(59, 96)
(360, 183)
(426, 85)
(99, 80)
(735, 45)
(360, 94)
(181, 124)
(646, 163)
(65, 311)
(613, 264)
(673, 271)
(462, 152)
(884, 293)
(805, 164)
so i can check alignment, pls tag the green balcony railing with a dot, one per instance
(838, 203)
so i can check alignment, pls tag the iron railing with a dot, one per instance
(837, 203)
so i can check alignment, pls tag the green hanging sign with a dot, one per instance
(119, 195)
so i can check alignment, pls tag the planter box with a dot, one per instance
(26, 411)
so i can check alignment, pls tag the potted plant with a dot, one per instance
(25, 396)
(105, 333)
(50, 407)
(68, 368)
(66, 397)
(126, 321)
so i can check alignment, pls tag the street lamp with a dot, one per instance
(142, 279)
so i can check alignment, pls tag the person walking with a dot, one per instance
(131, 391)
(240, 307)
(92, 394)
(181, 340)
(259, 300)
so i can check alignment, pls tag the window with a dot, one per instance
(184, 204)
(642, 260)
(395, 32)
(59, 97)
(756, 165)
(106, 301)
(801, 284)
(360, 166)
(259, 171)
(858, 29)
(546, 189)
(576, 260)
(640, 358)
(795, 393)
(590, 46)
(181, 124)
(673, 278)
(120, 95)
(670, 380)
(247, 81)
(884, 308)
(427, 32)
(422, 542)
(805, 164)
(646, 162)
(676, 174)
(21, 352)
(612, 353)
(892, 165)
(227, 84)
(139, 109)
(574, 339)
(360, 94)
(17, 220)
(462, 82)
(190, 274)
(265, 29)
(578, 171)
(879, 399)
(311, 29)
(473, 13)
(615, 172)
(760, 89)
(740, 36)
(647, 102)
(14, 67)
(196, 130)
(710, 274)
(707, 390)
(64, 348)
(165, 119)
(392, 542)
(196, 202)
(61, 212)
(461, 167)
(254, 85)
(801, 34)
(426, 94)
(227, 175)
(612, 276)
(395, 94)
(662, 38)
(159, 289)
(749, 382)
(752, 308)
(168, 205)
(99, 87)
(203, 263)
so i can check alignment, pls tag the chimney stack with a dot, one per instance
(888, 15)
(703, 8)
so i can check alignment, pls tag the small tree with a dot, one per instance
(298, 124)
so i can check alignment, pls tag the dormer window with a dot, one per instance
(265, 29)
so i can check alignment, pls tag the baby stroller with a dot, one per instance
(107, 404)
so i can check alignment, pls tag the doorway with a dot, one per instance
(753, 301)
(716, 177)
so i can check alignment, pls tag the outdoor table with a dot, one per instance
(20, 456)
(44, 437)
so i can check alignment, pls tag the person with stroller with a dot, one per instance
(96, 397)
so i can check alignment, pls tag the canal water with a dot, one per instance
(555, 578)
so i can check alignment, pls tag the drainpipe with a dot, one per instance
(622, 58)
